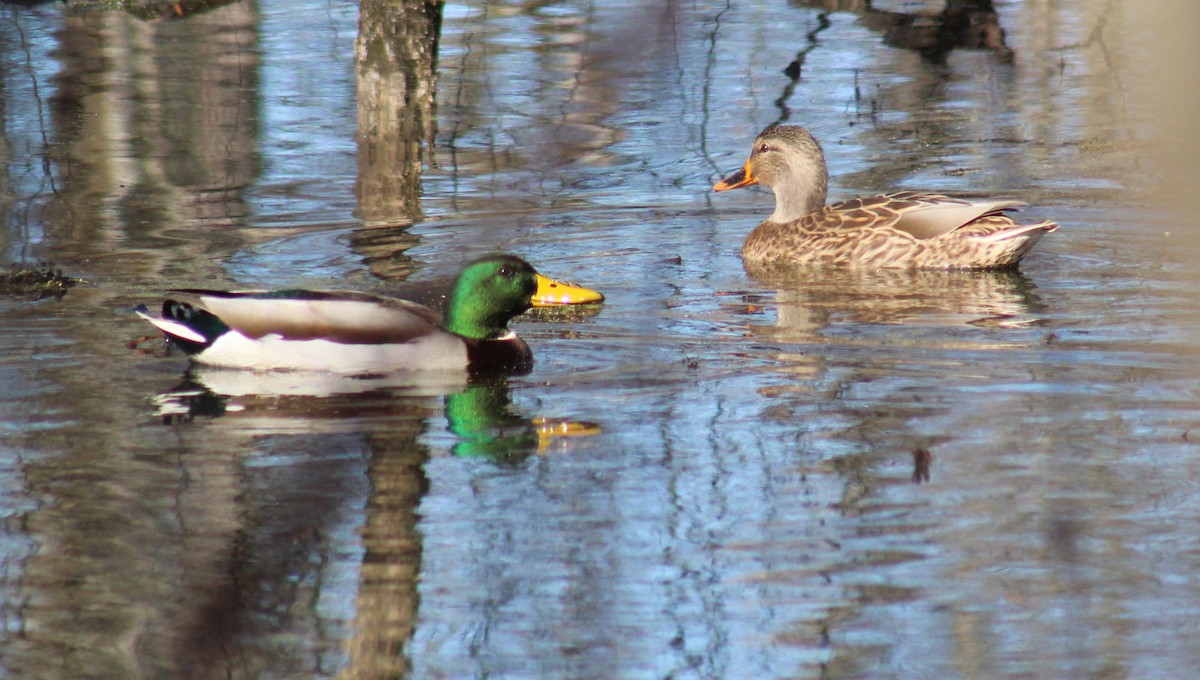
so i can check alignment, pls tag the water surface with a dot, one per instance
(829, 474)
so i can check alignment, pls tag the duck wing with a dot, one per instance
(922, 215)
(345, 317)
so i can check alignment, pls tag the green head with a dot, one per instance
(488, 293)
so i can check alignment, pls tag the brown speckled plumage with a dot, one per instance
(908, 229)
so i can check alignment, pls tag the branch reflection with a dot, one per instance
(961, 24)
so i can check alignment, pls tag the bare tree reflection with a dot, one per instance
(959, 25)
(396, 79)
(796, 68)
(151, 130)
(152, 10)
(962, 24)
(253, 576)
(283, 552)
(395, 60)
(387, 602)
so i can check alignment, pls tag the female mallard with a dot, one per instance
(359, 333)
(906, 229)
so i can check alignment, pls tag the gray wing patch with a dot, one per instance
(347, 318)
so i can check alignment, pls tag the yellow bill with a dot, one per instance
(551, 293)
(551, 429)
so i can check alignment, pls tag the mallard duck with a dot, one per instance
(360, 333)
(908, 229)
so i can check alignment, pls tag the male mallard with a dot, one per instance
(906, 229)
(359, 333)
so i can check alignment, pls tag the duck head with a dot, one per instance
(488, 293)
(787, 160)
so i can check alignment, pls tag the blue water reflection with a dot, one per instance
(825, 474)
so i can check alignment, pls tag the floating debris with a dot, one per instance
(37, 283)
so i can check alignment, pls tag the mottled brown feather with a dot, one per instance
(904, 229)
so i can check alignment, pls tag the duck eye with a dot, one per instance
(763, 148)
(506, 271)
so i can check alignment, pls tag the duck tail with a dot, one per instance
(1033, 231)
(193, 329)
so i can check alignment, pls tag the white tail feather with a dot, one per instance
(1020, 231)
(173, 328)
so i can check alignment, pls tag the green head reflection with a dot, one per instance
(483, 419)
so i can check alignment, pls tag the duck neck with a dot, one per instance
(804, 193)
(470, 318)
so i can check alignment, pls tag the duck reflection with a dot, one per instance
(824, 318)
(810, 299)
(483, 419)
(817, 306)
(480, 412)
(310, 462)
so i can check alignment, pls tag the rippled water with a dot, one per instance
(830, 474)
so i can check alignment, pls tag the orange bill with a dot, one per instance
(551, 293)
(741, 178)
